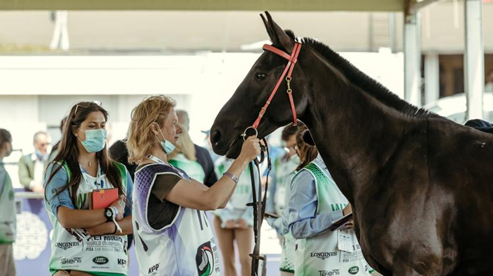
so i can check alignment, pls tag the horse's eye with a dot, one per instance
(260, 76)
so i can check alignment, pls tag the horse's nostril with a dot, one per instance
(216, 137)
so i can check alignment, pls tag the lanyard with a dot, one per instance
(155, 159)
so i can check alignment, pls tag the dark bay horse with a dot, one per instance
(420, 185)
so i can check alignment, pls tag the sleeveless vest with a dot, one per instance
(320, 255)
(7, 209)
(184, 247)
(72, 250)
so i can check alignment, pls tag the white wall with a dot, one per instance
(41, 89)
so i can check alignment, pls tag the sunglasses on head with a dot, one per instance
(86, 105)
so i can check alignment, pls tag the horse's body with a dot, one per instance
(421, 186)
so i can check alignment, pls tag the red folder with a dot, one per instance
(103, 198)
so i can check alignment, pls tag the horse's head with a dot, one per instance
(243, 108)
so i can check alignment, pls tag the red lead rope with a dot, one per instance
(292, 59)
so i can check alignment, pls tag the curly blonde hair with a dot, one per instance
(140, 137)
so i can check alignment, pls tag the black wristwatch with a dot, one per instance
(108, 213)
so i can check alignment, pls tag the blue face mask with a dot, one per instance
(39, 155)
(95, 140)
(167, 146)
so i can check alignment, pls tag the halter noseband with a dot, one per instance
(292, 59)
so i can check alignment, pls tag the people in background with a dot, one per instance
(119, 153)
(208, 145)
(184, 157)
(278, 197)
(94, 240)
(315, 203)
(282, 169)
(234, 224)
(201, 154)
(7, 209)
(54, 150)
(32, 166)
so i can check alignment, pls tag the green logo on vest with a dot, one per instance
(205, 259)
(338, 206)
(353, 270)
(100, 260)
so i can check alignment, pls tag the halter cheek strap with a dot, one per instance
(288, 71)
(259, 203)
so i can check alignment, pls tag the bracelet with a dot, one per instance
(232, 176)
(115, 213)
(116, 228)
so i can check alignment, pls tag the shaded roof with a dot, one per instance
(207, 5)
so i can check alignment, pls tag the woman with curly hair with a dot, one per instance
(173, 233)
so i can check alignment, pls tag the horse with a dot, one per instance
(419, 184)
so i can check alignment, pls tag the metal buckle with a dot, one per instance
(244, 132)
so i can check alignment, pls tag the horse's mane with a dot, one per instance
(363, 81)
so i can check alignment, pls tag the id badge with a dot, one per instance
(345, 241)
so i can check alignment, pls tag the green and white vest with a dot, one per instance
(288, 244)
(319, 255)
(288, 254)
(193, 168)
(71, 249)
(236, 207)
(283, 172)
(243, 191)
(7, 209)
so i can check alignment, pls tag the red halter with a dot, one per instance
(292, 59)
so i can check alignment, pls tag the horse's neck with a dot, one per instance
(355, 134)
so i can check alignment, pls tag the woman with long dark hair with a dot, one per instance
(85, 241)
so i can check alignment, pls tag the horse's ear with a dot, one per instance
(276, 34)
(267, 27)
